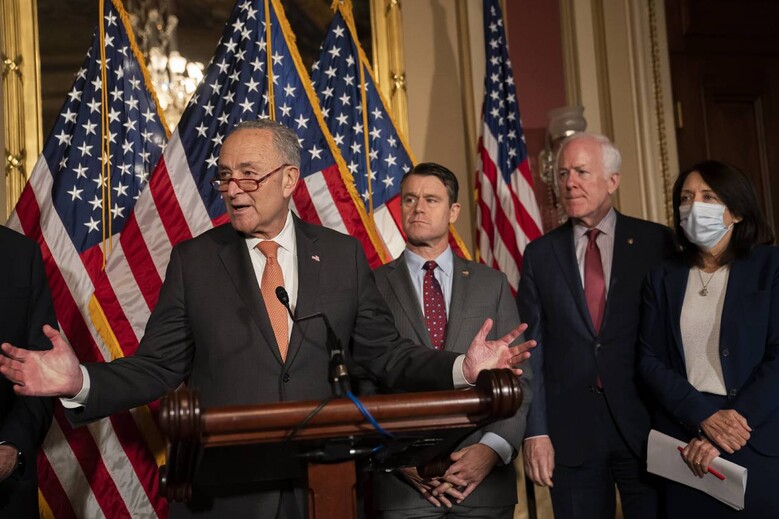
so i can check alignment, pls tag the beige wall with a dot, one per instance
(434, 81)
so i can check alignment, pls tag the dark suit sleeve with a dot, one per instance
(29, 418)
(397, 363)
(530, 309)
(670, 387)
(162, 361)
(507, 318)
(757, 400)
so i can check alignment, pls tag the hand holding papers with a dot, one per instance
(664, 460)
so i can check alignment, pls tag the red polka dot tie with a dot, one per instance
(435, 307)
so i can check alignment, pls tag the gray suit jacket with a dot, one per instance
(478, 292)
(210, 325)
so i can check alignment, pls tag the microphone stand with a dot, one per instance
(337, 374)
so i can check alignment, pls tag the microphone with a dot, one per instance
(338, 375)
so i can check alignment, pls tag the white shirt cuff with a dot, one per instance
(81, 397)
(502, 448)
(458, 377)
(536, 436)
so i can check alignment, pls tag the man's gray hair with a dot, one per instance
(284, 139)
(612, 160)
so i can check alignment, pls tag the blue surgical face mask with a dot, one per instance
(702, 223)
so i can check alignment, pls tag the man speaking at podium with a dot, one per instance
(219, 325)
(441, 300)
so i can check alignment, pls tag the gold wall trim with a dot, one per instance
(657, 89)
(389, 62)
(22, 133)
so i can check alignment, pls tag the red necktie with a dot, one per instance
(435, 307)
(594, 282)
(272, 277)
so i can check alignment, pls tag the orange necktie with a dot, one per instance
(272, 277)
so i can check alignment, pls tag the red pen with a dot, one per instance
(711, 471)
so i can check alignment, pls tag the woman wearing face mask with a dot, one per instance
(709, 341)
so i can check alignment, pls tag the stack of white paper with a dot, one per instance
(664, 459)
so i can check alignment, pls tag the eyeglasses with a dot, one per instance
(244, 184)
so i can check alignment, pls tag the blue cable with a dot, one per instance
(368, 416)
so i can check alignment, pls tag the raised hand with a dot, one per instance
(728, 429)
(483, 354)
(53, 372)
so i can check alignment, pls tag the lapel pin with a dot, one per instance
(315, 257)
(631, 241)
(466, 273)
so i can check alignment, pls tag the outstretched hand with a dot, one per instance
(483, 354)
(53, 372)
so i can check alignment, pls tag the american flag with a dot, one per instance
(77, 205)
(507, 216)
(356, 114)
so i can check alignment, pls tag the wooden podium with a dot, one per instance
(425, 428)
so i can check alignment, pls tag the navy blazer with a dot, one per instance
(25, 306)
(570, 354)
(749, 348)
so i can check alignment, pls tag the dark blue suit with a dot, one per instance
(749, 353)
(570, 356)
(25, 306)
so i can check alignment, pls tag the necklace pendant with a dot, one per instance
(704, 291)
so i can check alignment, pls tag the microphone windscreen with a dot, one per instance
(282, 295)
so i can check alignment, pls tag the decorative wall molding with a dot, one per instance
(22, 135)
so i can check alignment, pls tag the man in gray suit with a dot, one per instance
(440, 300)
(218, 325)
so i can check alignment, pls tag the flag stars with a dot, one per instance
(70, 116)
(129, 124)
(357, 127)
(352, 166)
(390, 160)
(350, 60)
(121, 190)
(132, 103)
(345, 99)
(117, 211)
(136, 83)
(75, 194)
(392, 141)
(110, 19)
(286, 111)
(212, 161)
(127, 147)
(289, 90)
(349, 80)
(89, 127)
(375, 133)
(246, 105)
(376, 113)
(246, 34)
(335, 52)
(63, 138)
(230, 46)
(327, 92)
(302, 122)
(339, 32)
(252, 85)
(224, 118)
(356, 147)
(92, 225)
(342, 118)
(339, 139)
(388, 181)
(96, 203)
(217, 139)
(330, 72)
(315, 152)
(277, 59)
(84, 149)
(74, 95)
